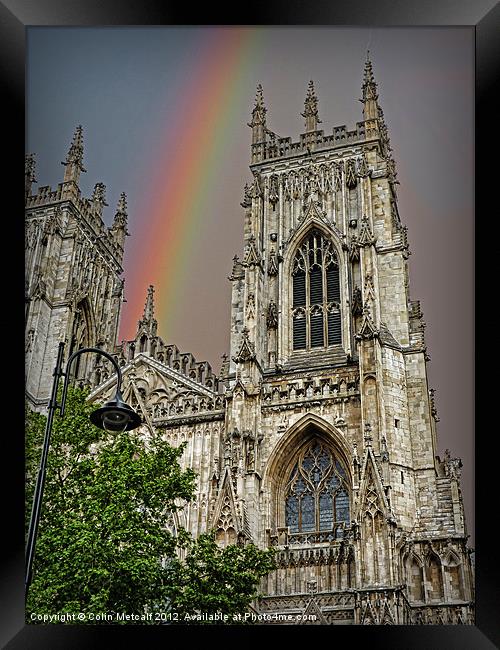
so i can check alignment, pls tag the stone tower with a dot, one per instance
(73, 288)
(328, 402)
(318, 437)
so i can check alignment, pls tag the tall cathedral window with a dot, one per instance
(316, 496)
(316, 294)
(80, 338)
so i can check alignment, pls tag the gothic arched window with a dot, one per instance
(80, 338)
(316, 294)
(316, 495)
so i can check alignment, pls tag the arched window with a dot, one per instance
(316, 496)
(80, 338)
(316, 294)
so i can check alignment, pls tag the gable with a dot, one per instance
(158, 390)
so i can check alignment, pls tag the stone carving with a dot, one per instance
(273, 191)
(246, 351)
(272, 315)
(272, 267)
(357, 302)
(252, 257)
(367, 329)
(350, 176)
(250, 306)
(247, 198)
(366, 237)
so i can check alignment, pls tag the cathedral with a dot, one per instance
(318, 435)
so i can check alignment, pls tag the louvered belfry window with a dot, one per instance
(316, 294)
(316, 496)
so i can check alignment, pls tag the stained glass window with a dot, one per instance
(316, 294)
(317, 498)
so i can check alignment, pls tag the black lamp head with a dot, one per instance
(115, 416)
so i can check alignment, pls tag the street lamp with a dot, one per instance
(115, 416)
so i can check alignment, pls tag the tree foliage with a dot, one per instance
(214, 580)
(106, 541)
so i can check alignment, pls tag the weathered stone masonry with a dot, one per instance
(318, 436)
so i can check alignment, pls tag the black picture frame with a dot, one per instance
(15, 16)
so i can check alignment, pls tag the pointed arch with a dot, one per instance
(314, 452)
(312, 223)
(315, 288)
(225, 520)
(415, 578)
(453, 572)
(307, 425)
(434, 577)
(83, 334)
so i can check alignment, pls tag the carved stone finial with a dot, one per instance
(74, 158)
(311, 109)
(148, 321)
(258, 123)
(369, 84)
(119, 227)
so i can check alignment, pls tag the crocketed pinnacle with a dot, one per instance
(369, 84)
(149, 307)
(120, 220)
(311, 108)
(259, 110)
(75, 153)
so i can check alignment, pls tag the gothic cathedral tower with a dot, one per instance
(329, 414)
(73, 288)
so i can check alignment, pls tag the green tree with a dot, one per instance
(215, 581)
(106, 510)
(106, 543)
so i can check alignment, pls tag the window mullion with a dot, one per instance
(308, 306)
(325, 302)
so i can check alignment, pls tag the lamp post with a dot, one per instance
(115, 416)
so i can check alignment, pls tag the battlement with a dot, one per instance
(276, 147)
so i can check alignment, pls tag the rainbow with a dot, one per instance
(181, 177)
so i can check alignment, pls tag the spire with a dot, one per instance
(373, 111)
(311, 109)
(148, 321)
(29, 172)
(119, 228)
(258, 123)
(74, 159)
(369, 88)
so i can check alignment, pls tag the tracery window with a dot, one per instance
(316, 294)
(316, 495)
(80, 338)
